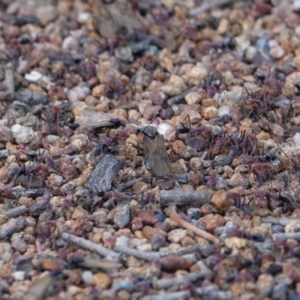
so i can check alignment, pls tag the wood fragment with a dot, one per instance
(285, 236)
(166, 283)
(182, 198)
(93, 263)
(107, 253)
(9, 79)
(122, 186)
(168, 296)
(104, 174)
(17, 211)
(205, 7)
(40, 287)
(178, 99)
(12, 226)
(280, 221)
(210, 292)
(32, 193)
(150, 256)
(176, 218)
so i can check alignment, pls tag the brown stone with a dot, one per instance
(187, 241)
(220, 201)
(212, 221)
(172, 263)
(147, 217)
(149, 232)
(102, 280)
(50, 265)
(136, 224)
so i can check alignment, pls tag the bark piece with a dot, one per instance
(182, 197)
(104, 174)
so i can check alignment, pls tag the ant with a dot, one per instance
(245, 141)
(35, 169)
(118, 86)
(182, 128)
(51, 118)
(219, 47)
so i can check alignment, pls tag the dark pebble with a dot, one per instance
(160, 217)
(158, 241)
(196, 215)
(166, 113)
(277, 228)
(274, 269)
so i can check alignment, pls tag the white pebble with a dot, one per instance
(87, 277)
(122, 241)
(33, 76)
(21, 133)
(277, 52)
(83, 17)
(296, 5)
(297, 30)
(296, 139)
(18, 275)
(70, 44)
(273, 43)
(78, 93)
(223, 110)
(250, 52)
(52, 139)
(163, 128)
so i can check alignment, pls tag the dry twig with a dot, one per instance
(205, 7)
(12, 226)
(176, 218)
(9, 79)
(107, 253)
(150, 256)
(280, 221)
(182, 198)
(285, 236)
(17, 211)
(166, 283)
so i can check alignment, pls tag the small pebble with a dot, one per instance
(87, 277)
(194, 213)
(124, 54)
(122, 216)
(296, 139)
(21, 133)
(160, 217)
(158, 241)
(18, 275)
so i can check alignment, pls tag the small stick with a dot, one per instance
(122, 186)
(169, 296)
(204, 234)
(166, 283)
(182, 198)
(33, 193)
(150, 256)
(280, 221)
(9, 79)
(12, 226)
(205, 7)
(285, 236)
(107, 253)
(177, 99)
(15, 212)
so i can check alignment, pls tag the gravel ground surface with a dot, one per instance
(149, 149)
